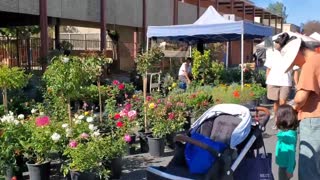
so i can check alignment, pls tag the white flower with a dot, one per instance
(92, 127)
(33, 111)
(81, 117)
(65, 60)
(16, 122)
(68, 132)
(55, 137)
(78, 121)
(65, 125)
(41, 114)
(96, 133)
(21, 116)
(89, 119)
(76, 115)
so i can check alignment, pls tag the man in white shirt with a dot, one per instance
(185, 73)
(278, 83)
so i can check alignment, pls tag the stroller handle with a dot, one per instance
(265, 118)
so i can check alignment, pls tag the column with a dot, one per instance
(43, 31)
(103, 34)
(57, 33)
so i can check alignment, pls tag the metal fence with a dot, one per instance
(26, 53)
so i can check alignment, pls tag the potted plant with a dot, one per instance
(12, 132)
(144, 63)
(11, 78)
(44, 139)
(66, 47)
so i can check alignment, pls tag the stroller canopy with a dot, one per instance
(240, 133)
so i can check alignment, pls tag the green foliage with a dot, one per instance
(147, 60)
(278, 8)
(21, 31)
(11, 133)
(13, 78)
(65, 45)
(258, 90)
(204, 70)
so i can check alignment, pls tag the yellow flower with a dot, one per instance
(174, 85)
(134, 96)
(152, 105)
(86, 113)
(169, 88)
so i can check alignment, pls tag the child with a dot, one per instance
(286, 121)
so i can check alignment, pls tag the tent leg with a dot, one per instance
(242, 80)
(227, 55)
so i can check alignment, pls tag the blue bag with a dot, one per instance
(200, 160)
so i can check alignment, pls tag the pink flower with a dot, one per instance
(132, 114)
(121, 86)
(126, 95)
(159, 101)
(171, 116)
(127, 107)
(117, 116)
(73, 144)
(127, 138)
(115, 82)
(169, 104)
(42, 121)
(84, 136)
(181, 104)
(124, 112)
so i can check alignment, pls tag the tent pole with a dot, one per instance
(145, 83)
(242, 62)
(227, 55)
(190, 51)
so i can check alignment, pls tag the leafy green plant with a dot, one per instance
(12, 131)
(258, 91)
(147, 60)
(11, 78)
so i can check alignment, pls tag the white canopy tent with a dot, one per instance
(315, 35)
(211, 27)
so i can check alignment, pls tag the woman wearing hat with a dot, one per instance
(307, 104)
(278, 83)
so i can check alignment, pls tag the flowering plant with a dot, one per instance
(257, 90)
(11, 132)
(165, 116)
(45, 137)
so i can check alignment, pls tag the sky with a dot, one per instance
(299, 11)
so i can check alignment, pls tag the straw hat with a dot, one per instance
(289, 53)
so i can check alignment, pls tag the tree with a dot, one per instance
(278, 8)
(311, 27)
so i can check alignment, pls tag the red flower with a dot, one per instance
(251, 94)
(121, 86)
(42, 121)
(149, 98)
(119, 124)
(171, 116)
(236, 94)
(127, 107)
(115, 82)
(117, 116)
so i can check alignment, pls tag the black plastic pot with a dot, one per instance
(9, 173)
(133, 139)
(143, 140)
(75, 175)
(156, 146)
(39, 171)
(116, 168)
(187, 125)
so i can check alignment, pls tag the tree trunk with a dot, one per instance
(69, 112)
(145, 81)
(100, 100)
(5, 100)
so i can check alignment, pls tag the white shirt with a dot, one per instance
(183, 69)
(276, 77)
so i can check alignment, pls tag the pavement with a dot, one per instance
(134, 165)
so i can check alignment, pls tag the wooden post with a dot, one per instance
(103, 34)
(198, 8)
(175, 12)
(44, 31)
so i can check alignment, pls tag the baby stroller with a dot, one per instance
(230, 124)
